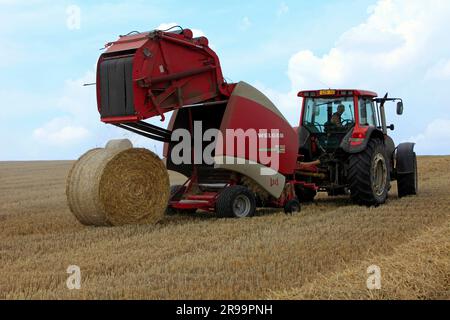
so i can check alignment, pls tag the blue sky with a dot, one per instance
(279, 46)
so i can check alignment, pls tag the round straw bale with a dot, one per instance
(112, 187)
(81, 187)
(120, 144)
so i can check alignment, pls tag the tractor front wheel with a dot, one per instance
(236, 202)
(369, 175)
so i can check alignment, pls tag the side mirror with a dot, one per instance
(391, 127)
(400, 108)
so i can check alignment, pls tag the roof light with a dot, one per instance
(327, 92)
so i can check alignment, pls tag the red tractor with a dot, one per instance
(344, 134)
(143, 75)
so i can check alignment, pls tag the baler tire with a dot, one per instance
(360, 175)
(407, 184)
(226, 202)
(292, 206)
(171, 211)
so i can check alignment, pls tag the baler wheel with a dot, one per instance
(407, 184)
(236, 202)
(369, 176)
(292, 206)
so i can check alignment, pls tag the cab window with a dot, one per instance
(318, 114)
(367, 116)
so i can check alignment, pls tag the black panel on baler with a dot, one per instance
(116, 87)
(210, 118)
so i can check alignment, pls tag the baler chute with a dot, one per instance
(148, 74)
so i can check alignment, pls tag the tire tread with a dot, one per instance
(225, 201)
(359, 175)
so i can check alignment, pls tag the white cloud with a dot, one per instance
(435, 137)
(282, 9)
(288, 103)
(399, 48)
(439, 71)
(77, 122)
(11, 53)
(396, 35)
(60, 132)
(245, 23)
(76, 98)
(80, 128)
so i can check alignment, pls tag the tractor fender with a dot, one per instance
(372, 132)
(405, 158)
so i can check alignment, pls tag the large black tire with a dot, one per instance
(408, 184)
(292, 206)
(369, 175)
(178, 191)
(236, 202)
(305, 195)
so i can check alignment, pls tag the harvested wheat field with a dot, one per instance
(322, 253)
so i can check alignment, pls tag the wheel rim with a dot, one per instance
(241, 206)
(379, 175)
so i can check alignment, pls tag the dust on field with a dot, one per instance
(322, 252)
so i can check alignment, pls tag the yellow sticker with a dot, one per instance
(327, 92)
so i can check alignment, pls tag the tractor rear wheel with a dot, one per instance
(408, 184)
(369, 175)
(236, 202)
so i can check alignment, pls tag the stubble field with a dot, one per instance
(321, 253)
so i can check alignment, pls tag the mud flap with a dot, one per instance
(405, 158)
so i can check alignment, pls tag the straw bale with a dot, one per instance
(113, 187)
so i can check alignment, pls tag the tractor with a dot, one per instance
(343, 135)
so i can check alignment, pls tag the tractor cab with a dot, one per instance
(329, 115)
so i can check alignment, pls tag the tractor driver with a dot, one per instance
(336, 119)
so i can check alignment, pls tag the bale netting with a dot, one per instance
(114, 187)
